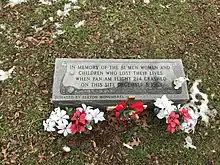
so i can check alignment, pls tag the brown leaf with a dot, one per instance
(5, 154)
(16, 115)
(134, 142)
(44, 91)
(94, 145)
(41, 158)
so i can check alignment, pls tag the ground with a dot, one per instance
(186, 29)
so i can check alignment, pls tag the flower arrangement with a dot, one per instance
(178, 117)
(182, 117)
(128, 110)
(185, 117)
(84, 118)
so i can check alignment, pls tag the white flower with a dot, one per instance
(6, 74)
(79, 24)
(95, 115)
(165, 106)
(162, 102)
(66, 149)
(84, 108)
(178, 82)
(188, 143)
(49, 125)
(64, 128)
(59, 115)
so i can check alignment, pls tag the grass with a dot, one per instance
(162, 29)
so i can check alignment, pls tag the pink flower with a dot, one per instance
(173, 122)
(79, 122)
(79, 117)
(185, 114)
(77, 128)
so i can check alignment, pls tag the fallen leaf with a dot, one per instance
(44, 91)
(94, 145)
(41, 158)
(135, 142)
(5, 154)
(16, 115)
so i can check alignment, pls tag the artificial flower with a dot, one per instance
(138, 107)
(59, 115)
(79, 122)
(121, 106)
(78, 128)
(79, 117)
(189, 126)
(84, 108)
(95, 115)
(185, 114)
(173, 122)
(63, 128)
(165, 106)
(124, 111)
(49, 125)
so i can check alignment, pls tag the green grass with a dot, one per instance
(188, 30)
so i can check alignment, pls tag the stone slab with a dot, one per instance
(104, 82)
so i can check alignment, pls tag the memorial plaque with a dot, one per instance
(104, 82)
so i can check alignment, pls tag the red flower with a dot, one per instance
(80, 122)
(121, 106)
(125, 112)
(173, 122)
(185, 114)
(138, 107)
(77, 128)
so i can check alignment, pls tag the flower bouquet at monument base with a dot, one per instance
(76, 121)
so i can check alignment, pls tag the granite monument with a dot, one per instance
(104, 82)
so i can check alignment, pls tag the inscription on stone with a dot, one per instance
(106, 81)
